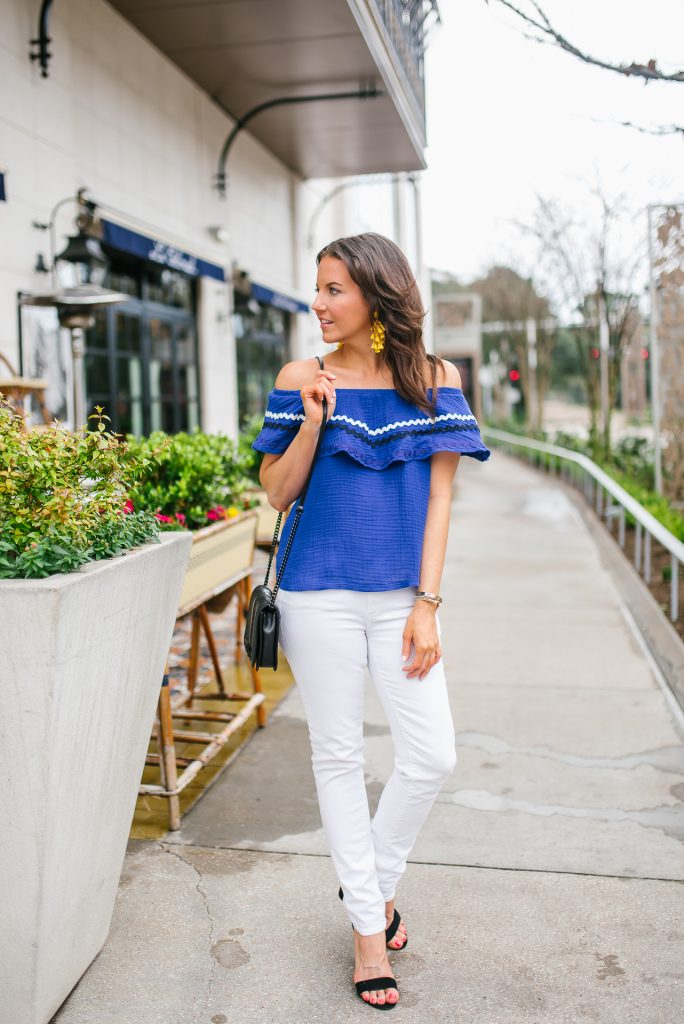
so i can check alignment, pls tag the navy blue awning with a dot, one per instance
(3, 193)
(262, 294)
(158, 252)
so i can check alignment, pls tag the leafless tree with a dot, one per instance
(592, 267)
(544, 32)
(511, 299)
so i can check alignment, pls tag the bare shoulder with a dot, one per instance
(448, 377)
(297, 374)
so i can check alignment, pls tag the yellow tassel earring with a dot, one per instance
(377, 334)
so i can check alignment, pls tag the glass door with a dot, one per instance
(141, 366)
(173, 385)
(161, 375)
(141, 355)
(128, 373)
(188, 384)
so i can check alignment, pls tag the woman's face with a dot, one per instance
(340, 305)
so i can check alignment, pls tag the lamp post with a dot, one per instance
(77, 304)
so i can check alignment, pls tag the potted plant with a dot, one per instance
(199, 485)
(88, 599)
(251, 461)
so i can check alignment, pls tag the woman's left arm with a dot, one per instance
(421, 626)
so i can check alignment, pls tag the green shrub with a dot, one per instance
(565, 440)
(656, 504)
(198, 478)
(250, 457)
(634, 456)
(63, 497)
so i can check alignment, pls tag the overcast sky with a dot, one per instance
(508, 118)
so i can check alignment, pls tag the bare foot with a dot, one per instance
(400, 936)
(370, 954)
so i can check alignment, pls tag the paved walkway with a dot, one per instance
(546, 886)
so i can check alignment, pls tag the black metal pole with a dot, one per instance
(367, 93)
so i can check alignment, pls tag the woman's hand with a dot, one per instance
(421, 628)
(313, 394)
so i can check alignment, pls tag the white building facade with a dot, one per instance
(134, 106)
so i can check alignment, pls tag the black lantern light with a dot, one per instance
(85, 254)
(77, 302)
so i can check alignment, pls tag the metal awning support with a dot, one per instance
(368, 92)
(41, 52)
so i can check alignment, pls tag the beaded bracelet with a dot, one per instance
(424, 595)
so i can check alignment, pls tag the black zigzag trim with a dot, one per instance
(446, 428)
(288, 427)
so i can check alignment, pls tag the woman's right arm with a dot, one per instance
(283, 476)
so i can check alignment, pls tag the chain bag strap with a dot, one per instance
(262, 622)
(298, 513)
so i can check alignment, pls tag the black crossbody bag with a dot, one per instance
(262, 625)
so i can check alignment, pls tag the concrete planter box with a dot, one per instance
(220, 555)
(82, 660)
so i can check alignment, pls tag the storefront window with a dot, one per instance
(168, 288)
(262, 337)
(129, 284)
(141, 355)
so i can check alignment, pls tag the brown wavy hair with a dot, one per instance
(382, 272)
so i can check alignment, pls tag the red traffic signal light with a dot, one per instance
(514, 375)
(595, 353)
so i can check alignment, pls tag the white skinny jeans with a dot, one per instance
(329, 638)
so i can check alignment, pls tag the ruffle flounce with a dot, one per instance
(377, 427)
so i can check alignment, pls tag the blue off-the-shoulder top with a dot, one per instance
(362, 529)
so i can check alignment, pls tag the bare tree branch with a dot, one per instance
(649, 71)
(663, 129)
(660, 129)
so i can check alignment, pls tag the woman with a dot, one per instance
(360, 589)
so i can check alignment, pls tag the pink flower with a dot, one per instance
(162, 519)
(180, 518)
(128, 507)
(218, 512)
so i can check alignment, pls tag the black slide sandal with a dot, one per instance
(389, 932)
(392, 931)
(374, 984)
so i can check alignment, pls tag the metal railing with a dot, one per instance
(407, 23)
(609, 500)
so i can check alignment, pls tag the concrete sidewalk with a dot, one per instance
(546, 886)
